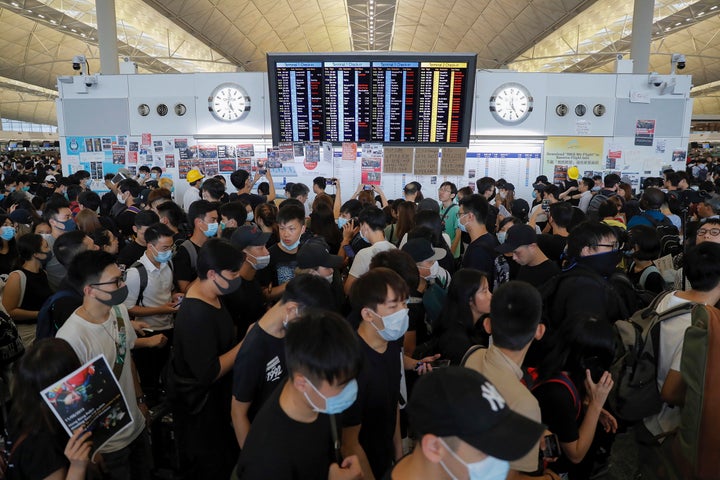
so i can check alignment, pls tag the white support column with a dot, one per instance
(641, 35)
(107, 36)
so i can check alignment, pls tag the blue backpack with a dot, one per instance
(46, 326)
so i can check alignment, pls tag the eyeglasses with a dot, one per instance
(614, 246)
(460, 215)
(714, 232)
(117, 282)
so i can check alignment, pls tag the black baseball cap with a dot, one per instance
(249, 236)
(520, 208)
(458, 401)
(316, 253)
(517, 236)
(420, 249)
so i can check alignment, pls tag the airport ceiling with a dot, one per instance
(40, 37)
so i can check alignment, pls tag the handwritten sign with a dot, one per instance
(426, 161)
(453, 161)
(398, 160)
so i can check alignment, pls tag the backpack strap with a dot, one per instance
(470, 353)
(530, 379)
(142, 272)
(120, 344)
(645, 274)
(444, 215)
(192, 252)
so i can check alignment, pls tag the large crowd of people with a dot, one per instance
(454, 334)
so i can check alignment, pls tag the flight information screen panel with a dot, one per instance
(408, 99)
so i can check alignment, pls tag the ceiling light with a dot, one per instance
(29, 11)
(701, 14)
(73, 30)
(83, 35)
(41, 15)
(688, 19)
(713, 7)
(678, 24)
(667, 29)
(15, 4)
(53, 22)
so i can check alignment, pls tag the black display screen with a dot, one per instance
(396, 99)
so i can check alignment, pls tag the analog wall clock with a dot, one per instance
(599, 110)
(580, 110)
(511, 103)
(561, 110)
(143, 109)
(229, 102)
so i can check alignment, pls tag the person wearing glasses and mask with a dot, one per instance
(151, 300)
(101, 325)
(204, 350)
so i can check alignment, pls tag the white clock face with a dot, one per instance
(229, 103)
(511, 103)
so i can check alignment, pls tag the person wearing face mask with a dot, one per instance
(204, 350)
(150, 299)
(260, 364)
(472, 218)
(283, 255)
(585, 284)
(292, 432)
(27, 287)
(203, 216)
(101, 325)
(464, 429)
(434, 279)
(127, 194)
(379, 305)
(232, 215)
(8, 247)
(486, 188)
(59, 217)
(372, 222)
(246, 304)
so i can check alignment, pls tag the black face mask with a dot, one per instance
(602, 263)
(233, 285)
(116, 298)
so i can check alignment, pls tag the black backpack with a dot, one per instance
(142, 272)
(635, 394)
(11, 345)
(46, 326)
(594, 205)
(670, 243)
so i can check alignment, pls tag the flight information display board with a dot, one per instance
(397, 99)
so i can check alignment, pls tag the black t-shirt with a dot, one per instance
(281, 448)
(259, 368)
(480, 254)
(130, 254)
(40, 454)
(251, 198)
(559, 413)
(7, 260)
(183, 268)
(281, 268)
(246, 305)
(202, 334)
(654, 281)
(538, 274)
(126, 221)
(552, 246)
(377, 403)
(37, 290)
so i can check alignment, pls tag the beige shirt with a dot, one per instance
(505, 375)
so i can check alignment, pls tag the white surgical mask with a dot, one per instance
(434, 271)
(501, 236)
(490, 468)
(396, 324)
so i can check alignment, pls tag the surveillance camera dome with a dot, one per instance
(681, 65)
(76, 66)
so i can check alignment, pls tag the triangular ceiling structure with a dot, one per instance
(40, 37)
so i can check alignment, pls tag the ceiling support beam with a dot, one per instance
(642, 24)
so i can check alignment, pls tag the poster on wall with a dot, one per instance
(644, 132)
(349, 151)
(586, 153)
(371, 166)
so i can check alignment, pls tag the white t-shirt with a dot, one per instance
(672, 336)
(90, 340)
(191, 195)
(584, 201)
(361, 264)
(157, 293)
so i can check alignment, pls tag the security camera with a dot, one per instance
(654, 79)
(677, 59)
(620, 56)
(90, 80)
(78, 61)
